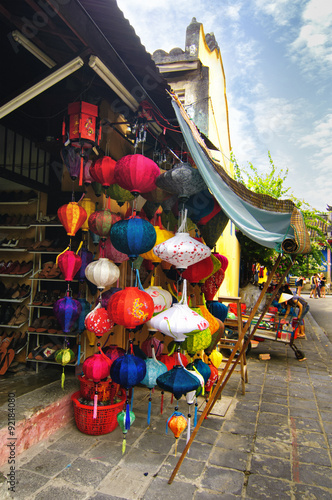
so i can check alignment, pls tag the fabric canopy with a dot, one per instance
(272, 223)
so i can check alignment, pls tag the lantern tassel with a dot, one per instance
(162, 403)
(196, 410)
(95, 401)
(132, 399)
(81, 169)
(188, 430)
(149, 409)
(63, 378)
(124, 444)
(127, 424)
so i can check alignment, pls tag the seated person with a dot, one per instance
(296, 302)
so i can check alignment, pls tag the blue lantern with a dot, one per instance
(178, 381)
(133, 236)
(67, 311)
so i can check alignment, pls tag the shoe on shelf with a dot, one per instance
(22, 317)
(39, 298)
(25, 291)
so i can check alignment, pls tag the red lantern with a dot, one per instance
(212, 378)
(171, 360)
(72, 217)
(136, 173)
(113, 352)
(102, 171)
(69, 263)
(130, 307)
(96, 367)
(213, 283)
(196, 272)
(98, 321)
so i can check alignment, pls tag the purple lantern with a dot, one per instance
(67, 311)
(87, 258)
(105, 296)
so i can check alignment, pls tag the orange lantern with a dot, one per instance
(162, 235)
(72, 217)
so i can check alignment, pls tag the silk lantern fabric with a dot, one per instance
(136, 173)
(96, 368)
(178, 381)
(108, 250)
(102, 171)
(170, 360)
(102, 273)
(161, 235)
(100, 222)
(86, 258)
(162, 299)
(152, 342)
(212, 379)
(72, 159)
(182, 250)
(130, 307)
(98, 321)
(183, 181)
(69, 263)
(198, 271)
(212, 230)
(133, 236)
(86, 308)
(67, 311)
(72, 217)
(120, 195)
(105, 296)
(202, 207)
(89, 206)
(197, 342)
(128, 370)
(113, 352)
(154, 368)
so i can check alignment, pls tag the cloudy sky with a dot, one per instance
(277, 56)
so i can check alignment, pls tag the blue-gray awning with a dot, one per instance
(272, 223)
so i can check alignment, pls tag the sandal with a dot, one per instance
(55, 272)
(39, 298)
(36, 323)
(6, 360)
(48, 352)
(47, 267)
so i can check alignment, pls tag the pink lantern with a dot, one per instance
(108, 251)
(98, 321)
(136, 173)
(149, 343)
(96, 368)
(113, 352)
(69, 263)
(102, 171)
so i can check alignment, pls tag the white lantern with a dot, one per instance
(162, 299)
(179, 320)
(102, 273)
(182, 250)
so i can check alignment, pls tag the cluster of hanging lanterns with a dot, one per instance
(133, 239)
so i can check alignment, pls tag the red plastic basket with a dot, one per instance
(106, 420)
(105, 389)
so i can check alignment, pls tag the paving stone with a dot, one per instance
(267, 418)
(232, 459)
(234, 442)
(63, 492)
(270, 466)
(107, 452)
(143, 460)
(204, 495)
(274, 398)
(261, 488)
(304, 413)
(250, 405)
(302, 403)
(317, 456)
(102, 496)
(246, 415)
(198, 451)
(189, 470)
(125, 483)
(208, 436)
(85, 472)
(273, 408)
(49, 463)
(273, 432)
(27, 483)
(239, 427)
(306, 424)
(223, 480)
(278, 390)
(311, 439)
(178, 490)
(303, 492)
(272, 448)
(316, 475)
(326, 416)
(74, 442)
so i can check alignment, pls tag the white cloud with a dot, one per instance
(282, 11)
(313, 46)
(319, 145)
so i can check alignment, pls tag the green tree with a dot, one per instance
(272, 183)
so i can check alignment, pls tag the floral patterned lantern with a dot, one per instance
(98, 321)
(162, 299)
(212, 379)
(133, 236)
(130, 307)
(136, 173)
(183, 181)
(161, 236)
(102, 171)
(72, 217)
(102, 273)
(89, 206)
(69, 263)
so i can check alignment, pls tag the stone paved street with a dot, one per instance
(274, 442)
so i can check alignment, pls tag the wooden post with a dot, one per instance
(215, 392)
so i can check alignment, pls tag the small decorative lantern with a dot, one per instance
(67, 311)
(162, 299)
(108, 250)
(177, 422)
(102, 273)
(130, 307)
(63, 357)
(69, 263)
(100, 222)
(89, 206)
(98, 321)
(133, 236)
(72, 217)
(183, 180)
(154, 368)
(102, 171)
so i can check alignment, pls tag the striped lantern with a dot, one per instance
(72, 216)
(136, 173)
(102, 273)
(102, 171)
(89, 206)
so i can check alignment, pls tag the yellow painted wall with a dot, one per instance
(219, 134)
